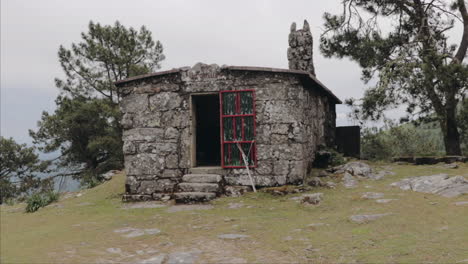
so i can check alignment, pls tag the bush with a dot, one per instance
(397, 141)
(39, 200)
(326, 157)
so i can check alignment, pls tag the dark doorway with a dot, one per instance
(208, 146)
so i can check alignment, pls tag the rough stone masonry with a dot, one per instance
(300, 51)
(295, 113)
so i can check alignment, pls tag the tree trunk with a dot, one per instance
(450, 132)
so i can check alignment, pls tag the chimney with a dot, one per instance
(300, 49)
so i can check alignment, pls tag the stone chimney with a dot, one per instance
(300, 49)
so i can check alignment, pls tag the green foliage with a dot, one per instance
(397, 141)
(326, 157)
(411, 61)
(85, 126)
(38, 200)
(105, 55)
(87, 133)
(463, 124)
(19, 166)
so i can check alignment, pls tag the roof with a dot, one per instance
(305, 74)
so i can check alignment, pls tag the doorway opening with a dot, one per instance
(207, 130)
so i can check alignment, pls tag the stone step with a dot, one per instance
(194, 197)
(198, 187)
(202, 178)
(208, 170)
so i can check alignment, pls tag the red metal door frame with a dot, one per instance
(238, 114)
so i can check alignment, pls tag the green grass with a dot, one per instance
(422, 227)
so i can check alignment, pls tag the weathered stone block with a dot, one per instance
(264, 167)
(169, 173)
(129, 148)
(134, 103)
(171, 133)
(178, 119)
(144, 164)
(131, 185)
(150, 187)
(164, 101)
(158, 148)
(147, 119)
(143, 134)
(281, 168)
(172, 161)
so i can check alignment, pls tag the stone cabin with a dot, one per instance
(189, 133)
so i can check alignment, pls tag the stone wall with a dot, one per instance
(300, 51)
(158, 134)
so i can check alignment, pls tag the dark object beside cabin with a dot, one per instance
(348, 141)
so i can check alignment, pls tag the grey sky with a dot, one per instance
(248, 32)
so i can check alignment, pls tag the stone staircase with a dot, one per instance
(196, 188)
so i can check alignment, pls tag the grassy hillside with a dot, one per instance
(422, 227)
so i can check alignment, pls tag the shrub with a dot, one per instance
(403, 140)
(326, 157)
(39, 200)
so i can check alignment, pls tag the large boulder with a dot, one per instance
(440, 184)
(355, 168)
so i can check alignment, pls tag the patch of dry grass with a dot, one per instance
(422, 227)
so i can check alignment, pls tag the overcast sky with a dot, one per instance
(248, 32)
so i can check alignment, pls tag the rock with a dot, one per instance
(199, 187)
(462, 203)
(323, 174)
(233, 236)
(372, 195)
(189, 207)
(314, 198)
(231, 260)
(381, 174)
(159, 259)
(349, 181)
(385, 200)
(316, 225)
(202, 178)
(124, 230)
(194, 197)
(235, 205)
(143, 205)
(360, 219)
(136, 232)
(316, 182)
(236, 191)
(440, 184)
(330, 184)
(183, 257)
(356, 168)
(114, 250)
(152, 231)
(108, 175)
(450, 166)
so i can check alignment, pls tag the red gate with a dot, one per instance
(237, 110)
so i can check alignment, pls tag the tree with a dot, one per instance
(19, 166)
(107, 54)
(85, 127)
(410, 59)
(463, 124)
